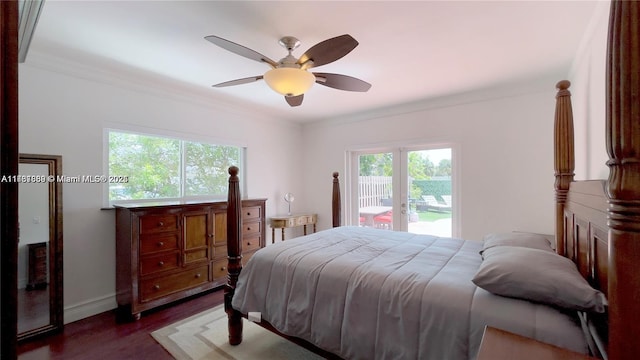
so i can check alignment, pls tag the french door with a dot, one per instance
(405, 189)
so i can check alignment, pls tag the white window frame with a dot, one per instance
(182, 137)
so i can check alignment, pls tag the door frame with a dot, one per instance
(400, 151)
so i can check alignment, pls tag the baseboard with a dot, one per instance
(89, 308)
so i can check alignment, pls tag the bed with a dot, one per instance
(597, 232)
(364, 293)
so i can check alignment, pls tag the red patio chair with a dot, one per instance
(383, 221)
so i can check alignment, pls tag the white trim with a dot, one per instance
(535, 85)
(170, 133)
(128, 78)
(29, 14)
(89, 308)
(96, 70)
(417, 143)
(105, 166)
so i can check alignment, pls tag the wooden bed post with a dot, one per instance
(564, 162)
(623, 185)
(336, 205)
(234, 253)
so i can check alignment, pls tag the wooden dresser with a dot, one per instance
(37, 266)
(168, 252)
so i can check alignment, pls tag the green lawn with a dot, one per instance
(433, 216)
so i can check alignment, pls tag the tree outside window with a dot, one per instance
(167, 168)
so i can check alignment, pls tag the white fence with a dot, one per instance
(372, 189)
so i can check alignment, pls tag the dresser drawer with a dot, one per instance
(246, 256)
(154, 288)
(154, 264)
(41, 266)
(156, 243)
(219, 270)
(250, 243)
(40, 251)
(150, 224)
(251, 228)
(251, 212)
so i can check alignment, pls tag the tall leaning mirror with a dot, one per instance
(40, 306)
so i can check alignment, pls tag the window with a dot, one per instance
(149, 167)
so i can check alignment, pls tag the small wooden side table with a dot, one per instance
(289, 221)
(502, 345)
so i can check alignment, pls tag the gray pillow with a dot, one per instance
(520, 239)
(539, 276)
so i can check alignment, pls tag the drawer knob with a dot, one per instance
(248, 213)
(223, 268)
(210, 235)
(248, 227)
(160, 244)
(198, 275)
(248, 243)
(157, 287)
(161, 263)
(161, 223)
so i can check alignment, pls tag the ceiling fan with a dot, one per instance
(289, 76)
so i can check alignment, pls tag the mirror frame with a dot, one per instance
(56, 310)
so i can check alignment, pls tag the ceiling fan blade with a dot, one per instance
(239, 81)
(342, 82)
(329, 50)
(240, 50)
(294, 100)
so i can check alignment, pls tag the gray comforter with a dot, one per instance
(363, 293)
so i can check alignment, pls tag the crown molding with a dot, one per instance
(115, 74)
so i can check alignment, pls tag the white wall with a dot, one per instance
(505, 153)
(505, 143)
(588, 90)
(63, 109)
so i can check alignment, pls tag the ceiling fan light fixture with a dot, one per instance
(289, 81)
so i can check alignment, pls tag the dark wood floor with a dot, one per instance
(33, 308)
(103, 337)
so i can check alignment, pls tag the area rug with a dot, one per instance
(205, 336)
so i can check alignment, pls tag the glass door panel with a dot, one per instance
(429, 189)
(375, 190)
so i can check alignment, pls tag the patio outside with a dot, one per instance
(439, 225)
(431, 218)
(429, 191)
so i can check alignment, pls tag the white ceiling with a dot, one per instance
(409, 51)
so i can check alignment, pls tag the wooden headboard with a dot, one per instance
(585, 231)
(598, 221)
